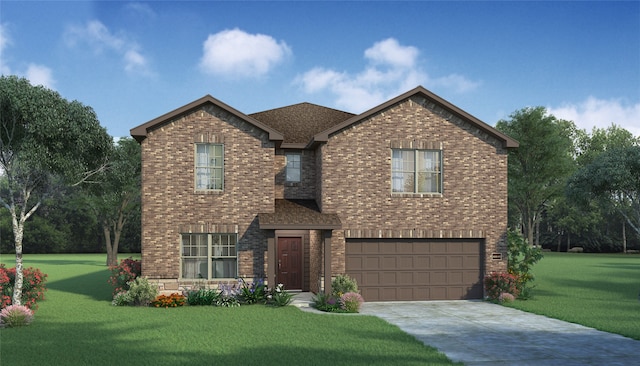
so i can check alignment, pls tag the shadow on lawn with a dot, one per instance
(98, 343)
(92, 284)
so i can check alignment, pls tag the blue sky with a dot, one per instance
(134, 61)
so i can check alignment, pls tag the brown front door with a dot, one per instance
(290, 263)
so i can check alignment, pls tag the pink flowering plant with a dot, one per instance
(33, 286)
(351, 302)
(498, 283)
(16, 316)
(128, 270)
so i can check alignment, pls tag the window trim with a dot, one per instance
(210, 256)
(416, 171)
(212, 168)
(287, 167)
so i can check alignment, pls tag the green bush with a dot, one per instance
(522, 257)
(254, 292)
(279, 297)
(343, 284)
(202, 296)
(141, 293)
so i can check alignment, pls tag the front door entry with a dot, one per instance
(290, 263)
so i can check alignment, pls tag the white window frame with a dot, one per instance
(208, 256)
(209, 167)
(414, 168)
(293, 170)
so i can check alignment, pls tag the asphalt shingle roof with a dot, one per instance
(301, 214)
(300, 122)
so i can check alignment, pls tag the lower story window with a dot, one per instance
(209, 256)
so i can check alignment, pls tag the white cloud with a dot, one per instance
(390, 52)
(140, 9)
(391, 69)
(40, 75)
(600, 113)
(102, 41)
(240, 54)
(36, 74)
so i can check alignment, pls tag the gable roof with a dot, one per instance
(507, 141)
(301, 121)
(140, 132)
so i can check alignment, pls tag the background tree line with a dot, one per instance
(569, 187)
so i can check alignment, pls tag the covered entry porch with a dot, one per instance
(299, 245)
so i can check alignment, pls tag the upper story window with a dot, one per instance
(293, 167)
(209, 167)
(416, 171)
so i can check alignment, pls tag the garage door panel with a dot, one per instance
(439, 262)
(388, 279)
(455, 261)
(389, 263)
(371, 263)
(418, 269)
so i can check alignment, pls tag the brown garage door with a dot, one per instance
(410, 269)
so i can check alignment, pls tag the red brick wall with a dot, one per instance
(170, 203)
(356, 180)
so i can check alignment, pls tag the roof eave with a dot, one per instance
(507, 141)
(140, 132)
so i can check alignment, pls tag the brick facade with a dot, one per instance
(348, 175)
(171, 204)
(356, 180)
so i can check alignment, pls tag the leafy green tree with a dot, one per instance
(43, 137)
(116, 199)
(538, 168)
(613, 176)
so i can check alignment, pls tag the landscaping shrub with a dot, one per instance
(33, 286)
(351, 302)
(228, 296)
(343, 284)
(497, 283)
(141, 293)
(326, 302)
(16, 316)
(279, 297)
(128, 270)
(203, 297)
(506, 297)
(522, 257)
(171, 301)
(254, 292)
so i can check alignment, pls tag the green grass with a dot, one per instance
(596, 290)
(77, 325)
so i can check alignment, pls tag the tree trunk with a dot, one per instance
(568, 242)
(18, 231)
(559, 242)
(112, 259)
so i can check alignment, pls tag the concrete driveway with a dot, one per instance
(481, 333)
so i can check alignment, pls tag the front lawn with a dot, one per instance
(596, 290)
(77, 325)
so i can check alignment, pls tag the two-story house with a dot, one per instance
(409, 198)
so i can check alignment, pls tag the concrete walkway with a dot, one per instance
(482, 333)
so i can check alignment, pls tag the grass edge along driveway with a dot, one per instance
(600, 291)
(76, 324)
